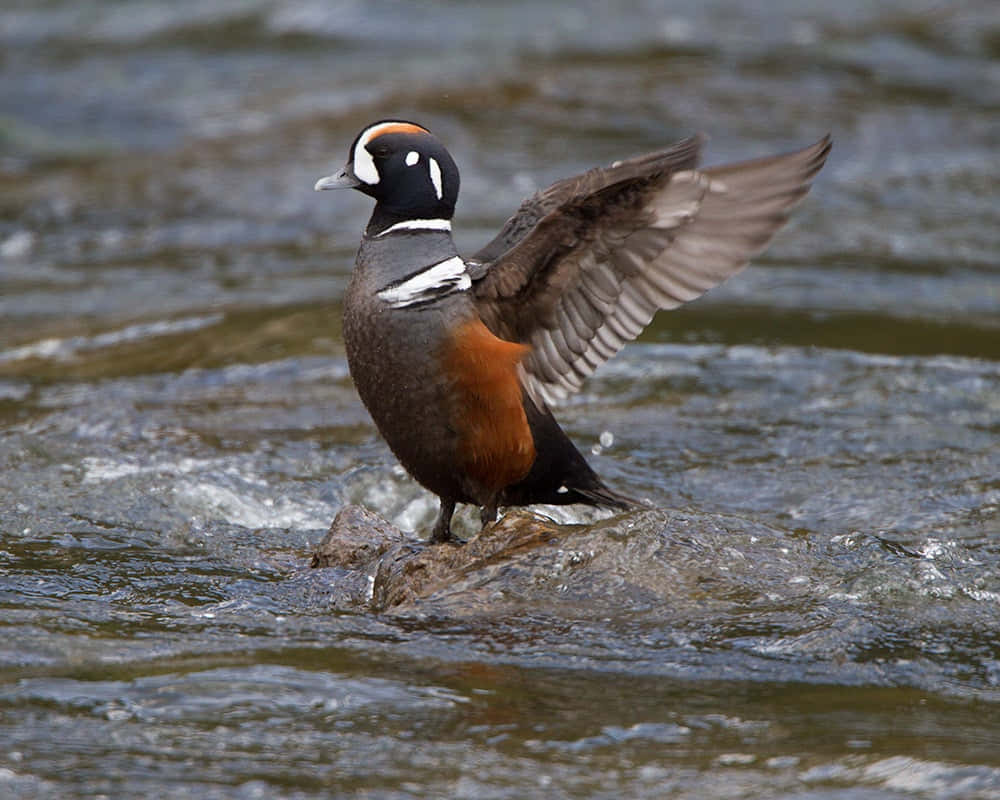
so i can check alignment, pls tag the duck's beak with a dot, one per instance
(345, 179)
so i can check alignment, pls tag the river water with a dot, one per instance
(812, 607)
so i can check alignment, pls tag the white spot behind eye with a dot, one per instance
(435, 171)
(412, 158)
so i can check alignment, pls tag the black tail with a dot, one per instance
(603, 496)
(560, 474)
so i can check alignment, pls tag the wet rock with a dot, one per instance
(401, 570)
(356, 538)
(411, 573)
(523, 563)
(655, 567)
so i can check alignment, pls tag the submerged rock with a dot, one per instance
(666, 584)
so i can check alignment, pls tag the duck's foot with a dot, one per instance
(441, 533)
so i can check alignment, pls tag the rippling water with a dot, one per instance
(812, 610)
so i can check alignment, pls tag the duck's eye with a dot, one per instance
(381, 151)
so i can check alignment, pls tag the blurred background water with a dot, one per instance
(178, 427)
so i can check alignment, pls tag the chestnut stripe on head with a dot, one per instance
(364, 164)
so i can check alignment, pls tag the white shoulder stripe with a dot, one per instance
(418, 225)
(436, 281)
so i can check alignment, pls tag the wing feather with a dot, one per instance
(585, 264)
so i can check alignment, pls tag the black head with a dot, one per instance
(404, 167)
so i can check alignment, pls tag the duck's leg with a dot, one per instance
(442, 527)
(488, 513)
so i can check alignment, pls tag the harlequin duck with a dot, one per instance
(458, 360)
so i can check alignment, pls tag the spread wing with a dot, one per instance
(583, 266)
(683, 155)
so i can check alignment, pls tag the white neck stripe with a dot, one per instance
(436, 281)
(418, 225)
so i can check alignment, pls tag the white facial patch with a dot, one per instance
(436, 281)
(412, 158)
(435, 171)
(364, 164)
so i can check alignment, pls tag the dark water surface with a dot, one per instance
(178, 428)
